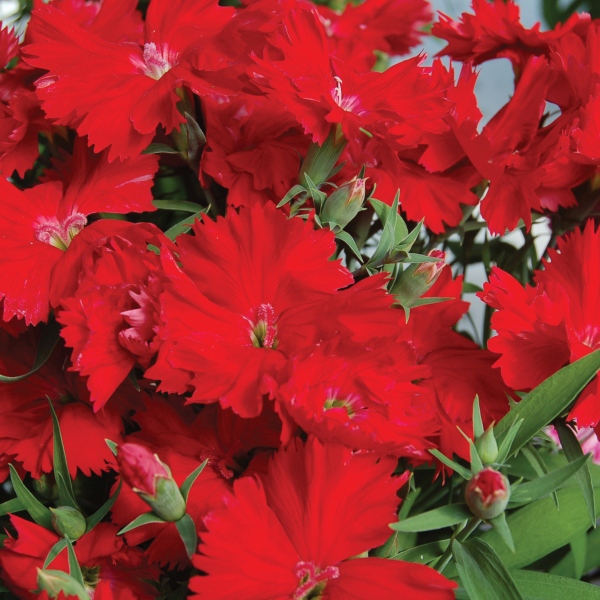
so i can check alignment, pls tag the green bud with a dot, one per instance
(54, 582)
(487, 446)
(168, 503)
(417, 279)
(344, 203)
(68, 522)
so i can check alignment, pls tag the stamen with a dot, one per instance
(264, 331)
(50, 230)
(311, 578)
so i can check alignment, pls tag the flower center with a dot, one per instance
(157, 60)
(50, 230)
(91, 577)
(312, 580)
(348, 103)
(264, 331)
(349, 404)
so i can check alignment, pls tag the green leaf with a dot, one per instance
(160, 149)
(387, 241)
(572, 450)
(482, 572)
(317, 195)
(535, 460)
(548, 400)
(471, 288)
(579, 550)
(406, 243)
(567, 566)
(501, 526)
(11, 506)
(185, 225)
(113, 446)
(144, 519)
(55, 551)
(94, 519)
(39, 513)
(182, 205)
(294, 191)
(74, 568)
(61, 468)
(478, 429)
(187, 531)
(349, 241)
(542, 486)
(190, 479)
(438, 518)
(505, 445)
(47, 343)
(194, 134)
(462, 471)
(423, 554)
(54, 582)
(542, 586)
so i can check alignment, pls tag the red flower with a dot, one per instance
(544, 327)
(228, 341)
(37, 225)
(100, 87)
(288, 536)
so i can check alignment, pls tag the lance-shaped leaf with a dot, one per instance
(542, 486)
(482, 572)
(349, 241)
(542, 586)
(144, 519)
(64, 484)
(74, 568)
(548, 400)
(39, 513)
(387, 241)
(184, 225)
(190, 479)
(462, 471)
(55, 551)
(182, 205)
(94, 519)
(573, 451)
(45, 347)
(438, 518)
(187, 531)
(423, 554)
(501, 526)
(11, 506)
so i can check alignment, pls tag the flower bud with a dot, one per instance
(487, 447)
(344, 203)
(487, 493)
(151, 480)
(417, 279)
(68, 522)
(54, 582)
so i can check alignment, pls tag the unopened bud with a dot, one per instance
(487, 493)
(487, 447)
(68, 522)
(151, 480)
(344, 203)
(417, 279)
(56, 582)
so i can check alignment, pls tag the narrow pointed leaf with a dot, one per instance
(462, 471)
(61, 468)
(578, 547)
(294, 191)
(94, 519)
(112, 445)
(144, 519)
(184, 225)
(534, 458)
(39, 513)
(187, 530)
(190, 479)
(542, 486)
(423, 554)
(349, 241)
(438, 518)
(482, 572)
(55, 551)
(74, 568)
(11, 506)
(45, 347)
(549, 400)
(572, 450)
(501, 526)
(160, 149)
(505, 446)
(478, 429)
(183, 205)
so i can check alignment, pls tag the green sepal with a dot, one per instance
(187, 531)
(349, 241)
(387, 241)
(112, 445)
(144, 519)
(190, 479)
(74, 568)
(320, 160)
(39, 513)
(478, 429)
(48, 341)
(64, 484)
(572, 449)
(293, 192)
(438, 518)
(482, 571)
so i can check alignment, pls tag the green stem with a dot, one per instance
(460, 535)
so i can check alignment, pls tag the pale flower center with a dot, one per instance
(348, 103)
(264, 331)
(157, 60)
(312, 579)
(50, 230)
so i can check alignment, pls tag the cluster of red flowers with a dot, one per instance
(244, 342)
